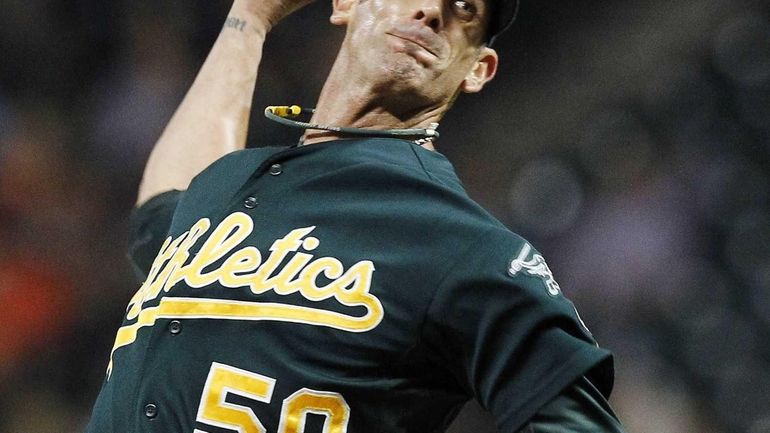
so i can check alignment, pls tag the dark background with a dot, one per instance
(629, 141)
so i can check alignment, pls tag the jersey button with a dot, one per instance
(250, 203)
(276, 169)
(151, 411)
(174, 327)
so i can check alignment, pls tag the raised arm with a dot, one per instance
(213, 118)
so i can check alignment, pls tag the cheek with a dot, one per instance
(367, 23)
(460, 65)
(373, 13)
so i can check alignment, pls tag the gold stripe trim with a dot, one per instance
(204, 308)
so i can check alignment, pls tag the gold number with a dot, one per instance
(224, 379)
(298, 405)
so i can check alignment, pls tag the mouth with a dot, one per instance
(422, 45)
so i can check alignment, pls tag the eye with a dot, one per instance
(464, 9)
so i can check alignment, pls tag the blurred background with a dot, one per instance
(628, 140)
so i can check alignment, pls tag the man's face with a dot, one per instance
(420, 48)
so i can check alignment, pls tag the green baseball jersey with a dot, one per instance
(347, 286)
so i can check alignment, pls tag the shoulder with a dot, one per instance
(501, 269)
(234, 163)
(216, 184)
(523, 264)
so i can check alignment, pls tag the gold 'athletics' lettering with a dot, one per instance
(245, 268)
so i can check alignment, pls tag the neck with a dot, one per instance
(348, 101)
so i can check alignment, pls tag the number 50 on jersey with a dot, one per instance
(224, 379)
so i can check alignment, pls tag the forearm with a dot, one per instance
(212, 120)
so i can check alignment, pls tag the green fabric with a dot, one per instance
(147, 230)
(579, 408)
(457, 322)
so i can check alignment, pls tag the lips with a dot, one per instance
(416, 37)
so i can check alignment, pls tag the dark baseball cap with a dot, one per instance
(503, 15)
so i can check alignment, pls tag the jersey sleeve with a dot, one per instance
(148, 228)
(578, 408)
(501, 326)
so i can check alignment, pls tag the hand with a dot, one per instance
(270, 12)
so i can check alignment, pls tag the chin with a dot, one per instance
(404, 71)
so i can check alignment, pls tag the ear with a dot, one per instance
(483, 71)
(342, 9)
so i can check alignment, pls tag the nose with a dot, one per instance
(430, 13)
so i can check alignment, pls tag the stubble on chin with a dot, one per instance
(403, 72)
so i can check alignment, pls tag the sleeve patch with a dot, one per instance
(533, 264)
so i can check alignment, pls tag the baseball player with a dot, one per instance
(346, 283)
